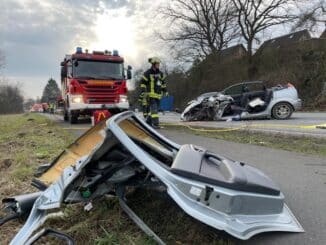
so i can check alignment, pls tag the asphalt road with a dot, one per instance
(301, 124)
(302, 179)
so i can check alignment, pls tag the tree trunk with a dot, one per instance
(252, 69)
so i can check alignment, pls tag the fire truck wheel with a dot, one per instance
(73, 118)
(65, 116)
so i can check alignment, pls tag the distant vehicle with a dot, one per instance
(37, 108)
(45, 107)
(93, 81)
(247, 100)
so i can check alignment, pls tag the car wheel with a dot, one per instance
(282, 111)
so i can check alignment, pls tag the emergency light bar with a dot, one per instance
(115, 53)
(98, 52)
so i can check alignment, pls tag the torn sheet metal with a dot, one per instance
(124, 151)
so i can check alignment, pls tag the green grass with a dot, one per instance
(301, 144)
(26, 141)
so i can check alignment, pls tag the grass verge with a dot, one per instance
(28, 140)
(302, 144)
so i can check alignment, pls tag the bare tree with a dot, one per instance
(255, 16)
(11, 99)
(199, 27)
(311, 16)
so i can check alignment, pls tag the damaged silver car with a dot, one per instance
(247, 100)
(124, 151)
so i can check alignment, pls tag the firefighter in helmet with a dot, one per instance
(153, 87)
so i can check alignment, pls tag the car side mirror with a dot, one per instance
(76, 63)
(62, 63)
(129, 75)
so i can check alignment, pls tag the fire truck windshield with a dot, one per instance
(88, 69)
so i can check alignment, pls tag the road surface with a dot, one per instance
(302, 179)
(301, 124)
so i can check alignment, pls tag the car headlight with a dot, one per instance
(76, 98)
(123, 98)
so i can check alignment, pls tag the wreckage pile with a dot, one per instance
(123, 153)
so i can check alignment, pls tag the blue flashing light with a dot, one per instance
(115, 53)
(79, 50)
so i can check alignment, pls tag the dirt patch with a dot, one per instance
(15, 144)
(5, 164)
(21, 134)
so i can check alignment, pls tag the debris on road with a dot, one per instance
(125, 152)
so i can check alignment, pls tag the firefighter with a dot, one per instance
(153, 87)
(51, 108)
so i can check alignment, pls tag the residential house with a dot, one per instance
(285, 40)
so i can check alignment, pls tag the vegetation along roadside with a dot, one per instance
(301, 144)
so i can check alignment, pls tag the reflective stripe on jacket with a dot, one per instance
(153, 83)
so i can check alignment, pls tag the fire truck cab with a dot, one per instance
(93, 81)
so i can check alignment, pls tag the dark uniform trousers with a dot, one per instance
(152, 117)
(144, 102)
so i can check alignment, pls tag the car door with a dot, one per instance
(235, 91)
(255, 90)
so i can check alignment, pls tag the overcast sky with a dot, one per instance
(36, 34)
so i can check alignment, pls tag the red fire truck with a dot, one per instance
(93, 81)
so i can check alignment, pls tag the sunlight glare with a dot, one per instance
(115, 32)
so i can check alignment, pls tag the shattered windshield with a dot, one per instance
(98, 69)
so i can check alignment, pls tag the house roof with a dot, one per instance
(287, 39)
(232, 50)
(323, 35)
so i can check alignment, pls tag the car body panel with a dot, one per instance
(242, 213)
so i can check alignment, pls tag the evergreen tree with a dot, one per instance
(51, 92)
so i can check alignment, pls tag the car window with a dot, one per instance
(235, 89)
(255, 87)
